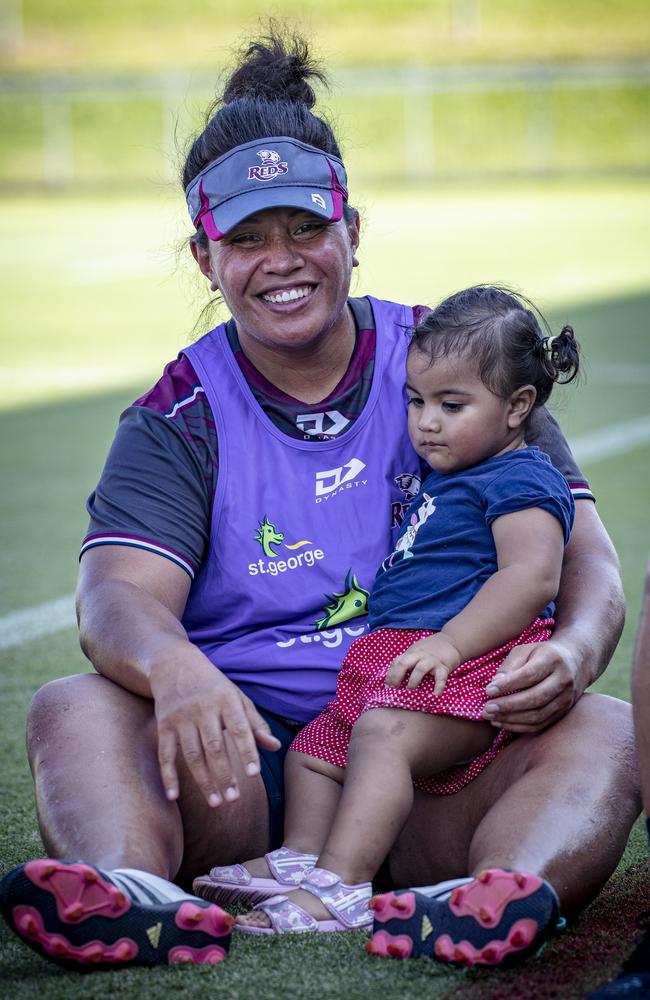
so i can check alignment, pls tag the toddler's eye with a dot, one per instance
(415, 401)
(452, 407)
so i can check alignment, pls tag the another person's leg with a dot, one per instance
(641, 695)
(634, 978)
(557, 806)
(100, 800)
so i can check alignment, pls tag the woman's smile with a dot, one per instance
(284, 296)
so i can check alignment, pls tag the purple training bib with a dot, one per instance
(299, 528)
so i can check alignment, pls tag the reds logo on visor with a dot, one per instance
(291, 174)
(271, 166)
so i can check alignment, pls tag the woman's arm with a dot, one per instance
(129, 606)
(549, 678)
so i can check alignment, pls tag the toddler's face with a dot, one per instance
(454, 420)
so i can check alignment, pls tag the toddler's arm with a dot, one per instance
(530, 548)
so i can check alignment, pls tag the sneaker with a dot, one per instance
(633, 981)
(84, 918)
(498, 917)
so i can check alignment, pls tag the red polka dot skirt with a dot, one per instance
(361, 687)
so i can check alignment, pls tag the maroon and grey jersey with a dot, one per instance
(157, 486)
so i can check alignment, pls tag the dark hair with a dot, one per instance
(507, 337)
(269, 93)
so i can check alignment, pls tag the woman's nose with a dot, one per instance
(281, 256)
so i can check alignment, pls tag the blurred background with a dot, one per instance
(485, 140)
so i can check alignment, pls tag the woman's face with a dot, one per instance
(284, 275)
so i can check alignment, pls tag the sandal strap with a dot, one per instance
(235, 874)
(347, 903)
(287, 917)
(289, 867)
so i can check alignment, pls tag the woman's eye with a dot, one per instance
(309, 228)
(243, 238)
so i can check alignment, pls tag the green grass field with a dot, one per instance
(95, 298)
(79, 34)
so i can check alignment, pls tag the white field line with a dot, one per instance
(33, 623)
(608, 441)
(43, 619)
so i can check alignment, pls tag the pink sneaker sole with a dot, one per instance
(73, 915)
(500, 916)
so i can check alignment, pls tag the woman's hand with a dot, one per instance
(434, 655)
(536, 685)
(130, 603)
(196, 705)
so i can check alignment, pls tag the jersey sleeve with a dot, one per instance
(543, 431)
(158, 483)
(151, 494)
(525, 484)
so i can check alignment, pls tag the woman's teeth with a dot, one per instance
(288, 295)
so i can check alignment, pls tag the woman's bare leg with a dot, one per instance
(559, 804)
(641, 692)
(93, 753)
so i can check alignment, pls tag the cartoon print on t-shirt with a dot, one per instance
(353, 601)
(406, 541)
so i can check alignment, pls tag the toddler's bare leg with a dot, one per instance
(389, 748)
(313, 792)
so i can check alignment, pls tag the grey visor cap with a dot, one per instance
(275, 172)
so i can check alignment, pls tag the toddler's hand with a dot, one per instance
(434, 655)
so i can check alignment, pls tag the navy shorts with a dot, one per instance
(272, 770)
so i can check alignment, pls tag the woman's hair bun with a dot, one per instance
(277, 66)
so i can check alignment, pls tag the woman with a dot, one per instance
(224, 576)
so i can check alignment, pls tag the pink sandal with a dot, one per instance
(235, 884)
(348, 904)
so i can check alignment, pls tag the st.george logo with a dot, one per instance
(271, 166)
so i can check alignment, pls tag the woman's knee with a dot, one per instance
(601, 725)
(82, 705)
(594, 742)
(50, 701)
